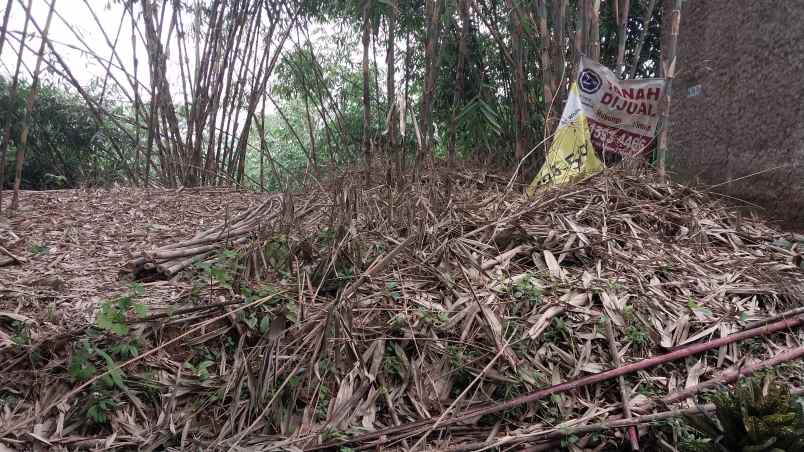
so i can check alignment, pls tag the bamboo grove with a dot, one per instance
(263, 93)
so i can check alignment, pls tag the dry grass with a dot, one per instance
(370, 307)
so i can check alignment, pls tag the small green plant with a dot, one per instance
(435, 318)
(22, 333)
(527, 289)
(393, 291)
(125, 349)
(222, 269)
(327, 235)
(322, 405)
(251, 294)
(201, 369)
(332, 434)
(760, 415)
(39, 249)
(81, 367)
(628, 313)
(112, 314)
(557, 332)
(391, 364)
(277, 253)
(569, 440)
(695, 307)
(614, 285)
(99, 407)
(637, 335)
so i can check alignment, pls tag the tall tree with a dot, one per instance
(463, 9)
(432, 49)
(621, 10)
(20, 158)
(669, 69)
(519, 98)
(12, 99)
(366, 97)
(390, 82)
(646, 18)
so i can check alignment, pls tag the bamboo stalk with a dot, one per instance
(23, 143)
(622, 33)
(669, 68)
(633, 437)
(12, 98)
(646, 17)
(731, 375)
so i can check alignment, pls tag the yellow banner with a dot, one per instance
(571, 155)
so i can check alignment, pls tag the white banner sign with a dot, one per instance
(622, 114)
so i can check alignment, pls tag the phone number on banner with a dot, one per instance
(611, 139)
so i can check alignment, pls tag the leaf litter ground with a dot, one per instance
(291, 321)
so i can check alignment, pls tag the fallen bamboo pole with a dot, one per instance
(393, 433)
(731, 375)
(633, 437)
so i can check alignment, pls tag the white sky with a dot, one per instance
(73, 22)
(84, 66)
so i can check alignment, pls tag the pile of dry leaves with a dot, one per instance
(405, 314)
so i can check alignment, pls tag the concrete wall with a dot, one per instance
(738, 102)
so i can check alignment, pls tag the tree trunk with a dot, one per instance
(580, 29)
(520, 103)
(463, 8)
(622, 34)
(404, 110)
(431, 52)
(5, 25)
(390, 82)
(594, 29)
(646, 17)
(548, 78)
(12, 101)
(20, 160)
(558, 50)
(669, 67)
(366, 97)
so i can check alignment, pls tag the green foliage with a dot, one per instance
(694, 306)
(22, 333)
(760, 415)
(222, 269)
(393, 292)
(200, 370)
(66, 145)
(81, 367)
(567, 441)
(637, 335)
(100, 406)
(322, 404)
(38, 249)
(112, 314)
(527, 289)
(557, 332)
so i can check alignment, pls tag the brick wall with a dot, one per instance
(738, 102)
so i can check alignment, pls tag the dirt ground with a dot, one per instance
(74, 243)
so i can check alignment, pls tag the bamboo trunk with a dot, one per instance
(23, 143)
(669, 68)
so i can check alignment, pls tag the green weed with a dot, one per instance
(112, 314)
